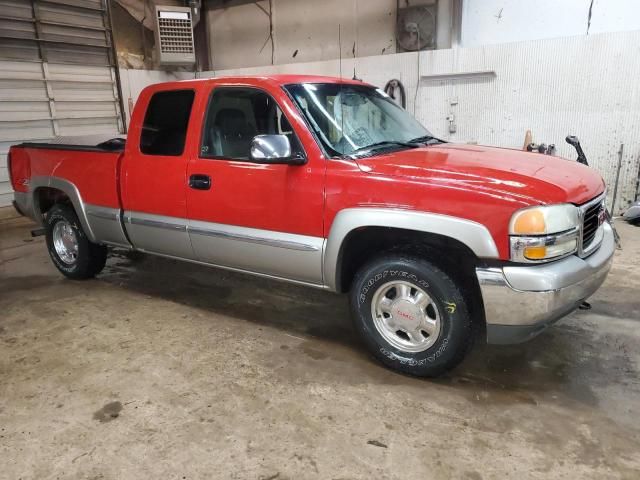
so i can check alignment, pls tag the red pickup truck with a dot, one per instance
(328, 183)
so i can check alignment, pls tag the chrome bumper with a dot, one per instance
(521, 301)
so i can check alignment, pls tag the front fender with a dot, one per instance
(472, 234)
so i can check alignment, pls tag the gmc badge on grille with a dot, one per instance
(602, 215)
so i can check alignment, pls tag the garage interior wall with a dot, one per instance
(552, 86)
(305, 31)
(488, 22)
(56, 74)
(496, 93)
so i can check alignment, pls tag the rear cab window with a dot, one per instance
(166, 121)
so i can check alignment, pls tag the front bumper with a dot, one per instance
(521, 301)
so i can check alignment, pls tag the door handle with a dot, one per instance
(199, 181)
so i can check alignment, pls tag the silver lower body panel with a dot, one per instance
(106, 225)
(279, 254)
(159, 234)
(282, 255)
(285, 256)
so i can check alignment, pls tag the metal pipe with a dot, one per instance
(116, 66)
(636, 193)
(195, 6)
(615, 187)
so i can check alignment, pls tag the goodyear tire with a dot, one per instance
(69, 248)
(411, 315)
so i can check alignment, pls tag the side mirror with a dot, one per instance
(274, 149)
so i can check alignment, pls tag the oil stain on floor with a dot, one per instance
(108, 412)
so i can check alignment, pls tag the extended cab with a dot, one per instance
(327, 183)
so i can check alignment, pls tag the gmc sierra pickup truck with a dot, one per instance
(328, 183)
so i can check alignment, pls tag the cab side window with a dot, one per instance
(235, 116)
(165, 123)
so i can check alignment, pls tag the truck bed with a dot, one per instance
(91, 143)
(89, 165)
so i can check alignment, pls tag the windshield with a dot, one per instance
(350, 119)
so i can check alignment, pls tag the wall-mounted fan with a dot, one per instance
(416, 28)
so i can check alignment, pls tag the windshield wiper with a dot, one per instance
(384, 144)
(426, 139)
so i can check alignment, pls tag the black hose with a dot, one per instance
(390, 89)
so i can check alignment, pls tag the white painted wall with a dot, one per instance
(487, 22)
(582, 85)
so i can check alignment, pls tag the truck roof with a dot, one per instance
(280, 79)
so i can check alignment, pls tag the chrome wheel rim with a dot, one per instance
(65, 242)
(406, 316)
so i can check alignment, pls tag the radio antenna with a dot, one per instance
(339, 98)
(339, 51)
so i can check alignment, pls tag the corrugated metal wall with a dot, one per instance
(56, 73)
(586, 85)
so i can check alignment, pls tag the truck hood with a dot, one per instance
(527, 178)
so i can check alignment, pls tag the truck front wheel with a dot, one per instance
(411, 315)
(69, 248)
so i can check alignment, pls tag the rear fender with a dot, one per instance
(68, 189)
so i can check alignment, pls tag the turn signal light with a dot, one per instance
(535, 253)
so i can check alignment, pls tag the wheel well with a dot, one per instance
(450, 255)
(47, 197)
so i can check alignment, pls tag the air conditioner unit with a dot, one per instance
(174, 36)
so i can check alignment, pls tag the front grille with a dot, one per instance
(591, 214)
(590, 224)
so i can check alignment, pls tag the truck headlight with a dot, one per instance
(544, 233)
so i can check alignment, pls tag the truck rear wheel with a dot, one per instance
(411, 315)
(69, 248)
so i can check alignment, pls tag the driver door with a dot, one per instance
(262, 218)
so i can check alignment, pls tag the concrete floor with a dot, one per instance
(164, 370)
